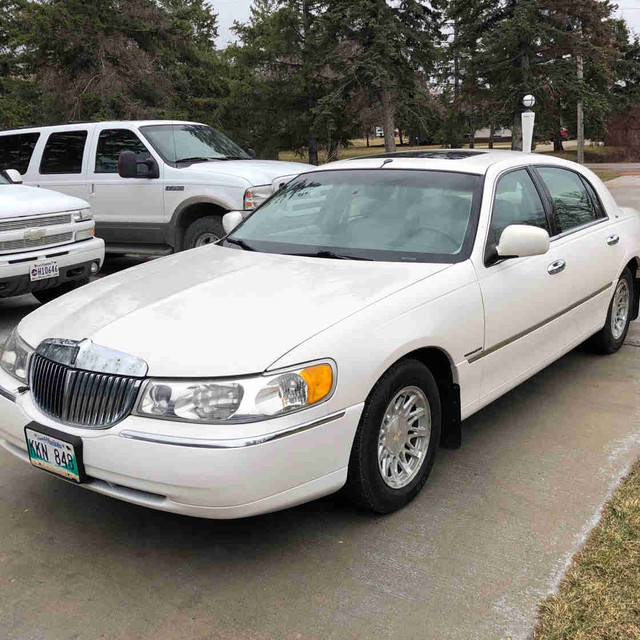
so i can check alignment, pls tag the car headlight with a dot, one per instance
(255, 196)
(82, 215)
(238, 400)
(15, 357)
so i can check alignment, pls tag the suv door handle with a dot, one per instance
(556, 267)
(613, 239)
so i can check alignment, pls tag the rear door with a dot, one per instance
(129, 210)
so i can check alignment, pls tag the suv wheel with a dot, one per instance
(203, 231)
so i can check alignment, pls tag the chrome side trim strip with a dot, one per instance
(526, 332)
(5, 393)
(234, 443)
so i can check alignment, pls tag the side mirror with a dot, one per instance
(521, 240)
(251, 153)
(128, 166)
(231, 220)
(14, 176)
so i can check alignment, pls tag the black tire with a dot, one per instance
(605, 341)
(203, 231)
(365, 485)
(47, 295)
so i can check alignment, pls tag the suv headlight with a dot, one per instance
(238, 400)
(82, 215)
(255, 196)
(15, 357)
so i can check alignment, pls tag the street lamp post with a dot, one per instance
(528, 121)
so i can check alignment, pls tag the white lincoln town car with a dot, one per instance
(334, 340)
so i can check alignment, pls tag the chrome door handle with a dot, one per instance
(614, 239)
(556, 267)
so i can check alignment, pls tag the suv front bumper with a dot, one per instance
(74, 262)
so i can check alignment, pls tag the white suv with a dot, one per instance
(47, 244)
(154, 186)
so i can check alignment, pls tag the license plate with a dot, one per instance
(44, 270)
(54, 451)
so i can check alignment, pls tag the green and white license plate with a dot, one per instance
(44, 270)
(54, 451)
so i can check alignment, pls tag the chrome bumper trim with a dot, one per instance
(5, 393)
(234, 443)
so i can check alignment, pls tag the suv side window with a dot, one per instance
(63, 152)
(572, 202)
(517, 202)
(111, 142)
(16, 151)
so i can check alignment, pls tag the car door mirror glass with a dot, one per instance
(521, 240)
(130, 167)
(231, 220)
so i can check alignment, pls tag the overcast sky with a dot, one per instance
(230, 10)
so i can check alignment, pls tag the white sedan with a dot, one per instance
(337, 337)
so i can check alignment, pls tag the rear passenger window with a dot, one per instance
(63, 152)
(113, 141)
(572, 202)
(517, 202)
(16, 151)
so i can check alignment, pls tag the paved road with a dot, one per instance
(470, 558)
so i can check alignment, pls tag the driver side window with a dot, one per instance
(516, 202)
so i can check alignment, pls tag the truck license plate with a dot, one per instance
(44, 270)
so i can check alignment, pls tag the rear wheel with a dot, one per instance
(47, 295)
(397, 438)
(610, 338)
(203, 231)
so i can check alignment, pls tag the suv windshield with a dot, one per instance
(382, 214)
(191, 143)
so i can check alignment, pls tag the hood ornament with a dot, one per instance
(85, 355)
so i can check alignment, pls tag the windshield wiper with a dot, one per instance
(325, 253)
(232, 158)
(240, 243)
(196, 159)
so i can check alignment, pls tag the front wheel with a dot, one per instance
(203, 231)
(610, 338)
(397, 438)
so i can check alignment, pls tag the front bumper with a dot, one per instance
(286, 465)
(74, 262)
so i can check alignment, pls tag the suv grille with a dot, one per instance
(82, 398)
(35, 223)
(15, 245)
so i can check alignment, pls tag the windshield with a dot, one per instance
(191, 142)
(380, 214)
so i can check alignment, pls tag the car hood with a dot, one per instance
(18, 200)
(256, 172)
(216, 311)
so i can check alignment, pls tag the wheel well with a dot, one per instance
(633, 265)
(439, 364)
(191, 214)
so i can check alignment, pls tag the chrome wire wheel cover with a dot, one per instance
(206, 238)
(620, 309)
(404, 437)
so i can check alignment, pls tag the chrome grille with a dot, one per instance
(14, 245)
(35, 223)
(82, 398)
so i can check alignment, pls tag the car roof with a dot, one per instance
(70, 126)
(475, 161)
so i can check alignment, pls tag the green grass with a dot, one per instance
(599, 598)
(605, 174)
(595, 154)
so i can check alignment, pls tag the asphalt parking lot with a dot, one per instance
(471, 557)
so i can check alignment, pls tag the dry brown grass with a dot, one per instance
(599, 598)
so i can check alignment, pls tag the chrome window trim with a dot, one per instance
(586, 225)
(233, 443)
(5, 393)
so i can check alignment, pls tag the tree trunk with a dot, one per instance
(400, 135)
(516, 132)
(367, 136)
(557, 142)
(492, 133)
(306, 62)
(388, 120)
(313, 151)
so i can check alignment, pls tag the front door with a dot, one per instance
(126, 210)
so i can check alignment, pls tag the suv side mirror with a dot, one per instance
(251, 153)
(521, 240)
(231, 220)
(14, 175)
(128, 166)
